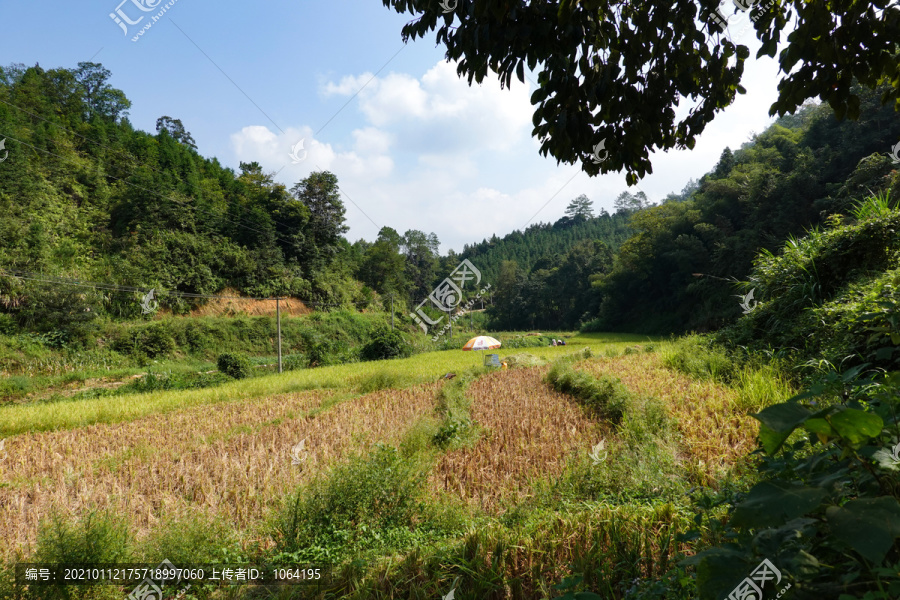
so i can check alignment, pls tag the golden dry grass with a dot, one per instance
(712, 431)
(529, 431)
(232, 459)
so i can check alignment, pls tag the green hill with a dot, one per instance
(86, 196)
(544, 240)
(677, 272)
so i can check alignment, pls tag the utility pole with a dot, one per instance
(392, 312)
(278, 318)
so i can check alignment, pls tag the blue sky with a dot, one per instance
(414, 147)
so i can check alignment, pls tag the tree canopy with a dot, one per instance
(613, 73)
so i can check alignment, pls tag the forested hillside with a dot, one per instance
(87, 198)
(85, 195)
(544, 240)
(677, 272)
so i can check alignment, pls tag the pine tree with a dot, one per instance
(580, 209)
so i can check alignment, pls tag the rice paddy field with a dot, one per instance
(409, 482)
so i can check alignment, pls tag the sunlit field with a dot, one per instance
(484, 459)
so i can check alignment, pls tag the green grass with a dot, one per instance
(72, 413)
(759, 384)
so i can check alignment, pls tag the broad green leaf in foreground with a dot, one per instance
(778, 422)
(868, 525)
(856, 426)
(772, 503)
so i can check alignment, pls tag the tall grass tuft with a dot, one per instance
(604, 396)
(874, 206)
(95, 538)
(191, 540)
(693, 356)
(369, 502)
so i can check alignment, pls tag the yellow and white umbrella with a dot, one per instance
(482, 342)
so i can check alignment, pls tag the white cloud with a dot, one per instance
(433, 153)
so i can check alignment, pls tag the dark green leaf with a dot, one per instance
(779, 421)
(868, 525)
(772, 503)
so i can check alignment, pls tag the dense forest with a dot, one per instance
(86, 196)
(677, 272)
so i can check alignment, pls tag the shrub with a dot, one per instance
(150, 382)
(235, 365)
(68, 314)
(386, 343)
(292, 362)
(322, 350)
(356, 504)
(7, 324)
(151, 340)
(95, 538)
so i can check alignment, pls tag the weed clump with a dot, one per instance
(383, 380)
(693, 356)
(457, 427)
(605, 396)
(372, 501)
(235, 365)
(95, 538)
(191, 540)
(522, 360)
